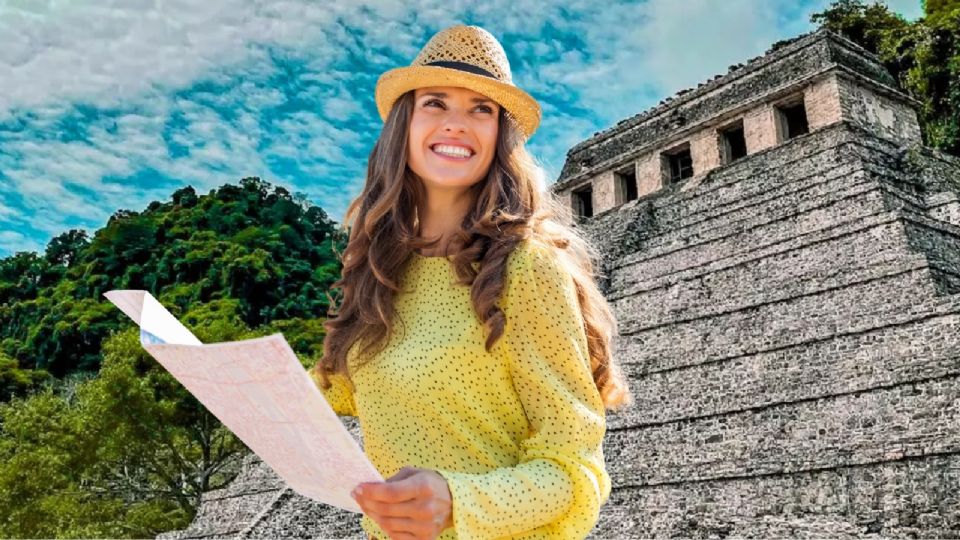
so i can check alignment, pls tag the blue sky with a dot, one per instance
(109, 105)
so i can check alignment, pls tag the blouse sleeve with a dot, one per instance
(560, 480)
(338, 395)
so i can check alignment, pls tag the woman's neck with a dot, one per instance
(443, 214)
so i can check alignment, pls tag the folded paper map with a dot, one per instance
(262, 393)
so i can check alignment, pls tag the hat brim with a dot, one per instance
(395, 82)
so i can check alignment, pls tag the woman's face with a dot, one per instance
(453, 135)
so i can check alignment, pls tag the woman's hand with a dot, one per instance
(413, 504)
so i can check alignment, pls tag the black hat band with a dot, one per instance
(463, 66)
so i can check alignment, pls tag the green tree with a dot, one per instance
(96, 438)
(49, 458)
(15, 381)
(125, 454)
(64, 249)
(923, 55)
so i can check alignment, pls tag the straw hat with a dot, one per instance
(464, 56)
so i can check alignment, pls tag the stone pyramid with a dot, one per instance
(789, 313)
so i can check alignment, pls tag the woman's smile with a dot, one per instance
(452, 152)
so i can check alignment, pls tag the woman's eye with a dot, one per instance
(481, 108)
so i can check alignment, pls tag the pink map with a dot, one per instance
(262, 393)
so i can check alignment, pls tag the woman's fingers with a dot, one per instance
(410, 509)
(395, 525)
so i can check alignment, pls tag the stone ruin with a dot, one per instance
(783, 256)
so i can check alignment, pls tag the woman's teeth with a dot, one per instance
(453, 151)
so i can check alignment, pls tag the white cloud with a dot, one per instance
(13, 241)
(108, 53)
(42, 172)
(138, 63)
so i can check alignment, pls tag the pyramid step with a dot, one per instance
(883, 424)
(892, 499)
(892, 353)
(882, 293)
(762, 269)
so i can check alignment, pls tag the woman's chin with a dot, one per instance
(449, 178)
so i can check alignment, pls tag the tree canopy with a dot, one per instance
(923, 55)
(269, 251)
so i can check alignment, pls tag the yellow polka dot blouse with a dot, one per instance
(516, 432)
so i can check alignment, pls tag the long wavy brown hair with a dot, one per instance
(509, 208)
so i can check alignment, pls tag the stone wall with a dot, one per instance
(885, 113)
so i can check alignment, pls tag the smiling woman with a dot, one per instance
(481, 369)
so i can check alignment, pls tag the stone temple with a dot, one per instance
(783, 256)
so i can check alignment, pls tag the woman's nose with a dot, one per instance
(455, 121)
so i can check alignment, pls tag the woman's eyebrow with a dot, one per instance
(443, 95)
